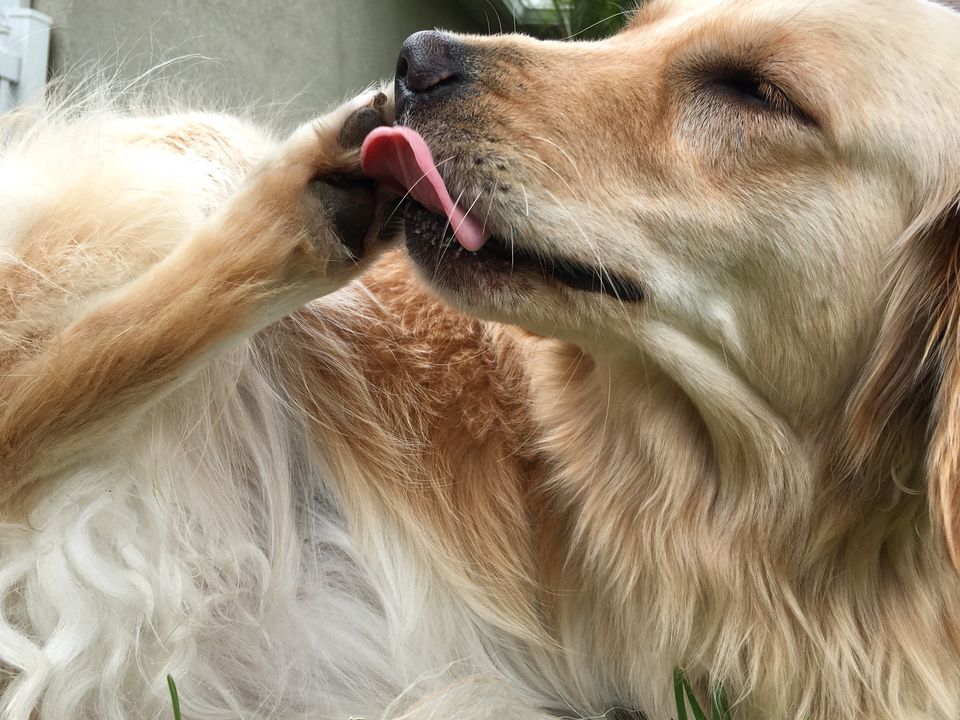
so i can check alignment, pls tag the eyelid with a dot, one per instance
(780, 100)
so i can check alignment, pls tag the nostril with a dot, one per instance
(420, 82)
(436, 79)
(429, 60)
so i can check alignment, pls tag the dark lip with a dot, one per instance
(430, 243)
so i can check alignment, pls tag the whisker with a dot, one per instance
(410, 190)
(543, 162)
(497, 13)
(493, 197)
(563, 152)
(602, 274)
(469, 210)
(443, 235)
(599, 22)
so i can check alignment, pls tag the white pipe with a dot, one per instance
(24, 51)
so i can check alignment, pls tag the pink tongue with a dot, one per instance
(400, 159)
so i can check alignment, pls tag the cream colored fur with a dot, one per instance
(305, 487)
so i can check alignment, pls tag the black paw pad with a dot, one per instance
(363, 122)
(350, 205)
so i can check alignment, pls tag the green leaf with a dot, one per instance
(174, 697)
(720, 707)
(698, 713)
(678, 694)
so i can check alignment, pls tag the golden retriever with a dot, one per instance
(680, 389)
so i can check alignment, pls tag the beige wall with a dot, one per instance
(260, 51)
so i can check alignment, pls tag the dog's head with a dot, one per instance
(727, 188)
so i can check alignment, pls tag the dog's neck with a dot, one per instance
(688, 426)
(691, 514)
(730, 461)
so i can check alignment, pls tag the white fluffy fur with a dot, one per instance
(206, 545)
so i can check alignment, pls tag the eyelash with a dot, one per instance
(752, 90)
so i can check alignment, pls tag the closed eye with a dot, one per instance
(750, 89)
(744, 87)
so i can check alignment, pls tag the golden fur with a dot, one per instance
(377, 504)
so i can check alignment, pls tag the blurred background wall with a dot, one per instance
(297, 56)
(282, 59)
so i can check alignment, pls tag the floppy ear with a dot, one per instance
(943, 459)
(908, 401)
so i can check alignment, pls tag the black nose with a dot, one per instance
(430, 62)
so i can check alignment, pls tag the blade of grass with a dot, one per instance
(564, 16)
(720, 706)
(678, 694)
(698, 713)
(174, 697)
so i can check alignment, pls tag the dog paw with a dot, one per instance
(325, 154)
(364, 121)
(309, 216)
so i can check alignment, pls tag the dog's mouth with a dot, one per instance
(400, 159)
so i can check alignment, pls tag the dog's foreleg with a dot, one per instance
(292, 232)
